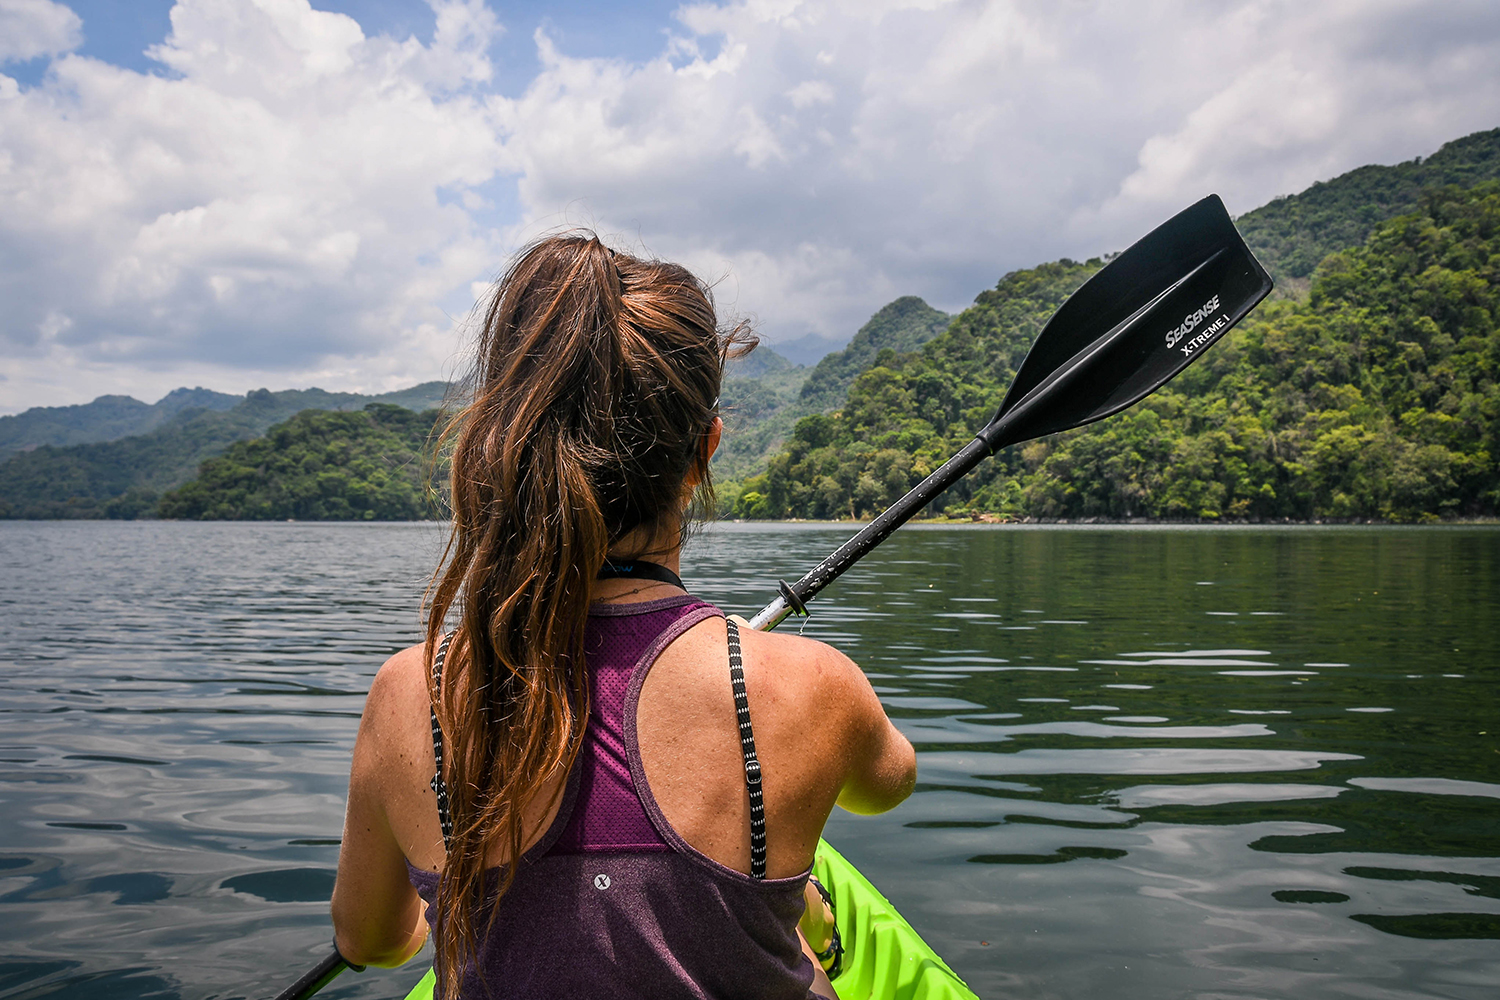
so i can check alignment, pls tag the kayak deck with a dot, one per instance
(884, 958)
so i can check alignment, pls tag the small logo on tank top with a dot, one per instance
(601, 881)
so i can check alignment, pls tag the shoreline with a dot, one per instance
(981, 520)
(996, 520)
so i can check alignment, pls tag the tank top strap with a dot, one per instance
(747, 752)
(440, 786)
(685, 614)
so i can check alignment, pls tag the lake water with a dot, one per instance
(1155, 762)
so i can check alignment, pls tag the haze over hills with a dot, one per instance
(810, 349)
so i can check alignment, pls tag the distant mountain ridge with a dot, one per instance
(109, 418)
(123, 477)
(760, 411)
(105, 419)
(1292, 234)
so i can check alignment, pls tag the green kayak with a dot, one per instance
(884, 959)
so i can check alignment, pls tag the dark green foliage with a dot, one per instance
(319, 466)
(1292, 235)
(1377, 397)
(903, 325)
(763, 400)
(107, 418)
(122, 478)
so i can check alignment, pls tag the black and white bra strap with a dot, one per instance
(445, 819)
(747, 750)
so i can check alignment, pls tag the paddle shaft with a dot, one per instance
(316, 978)
(1025, 420)
(988, 441)
(875, 532)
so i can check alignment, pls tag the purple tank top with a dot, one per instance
(611, 901)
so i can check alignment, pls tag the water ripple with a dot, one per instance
(1295, 797)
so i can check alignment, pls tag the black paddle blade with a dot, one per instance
(1134, 325)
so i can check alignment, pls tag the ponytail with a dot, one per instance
(596, 380)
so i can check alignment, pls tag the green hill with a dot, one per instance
(105, 419)
(1291, 235)
(903, 325)
(760, 412)
(319, 466)
(1376, 397)
(125, 476)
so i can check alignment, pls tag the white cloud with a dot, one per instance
(286, 206)
(297, 202)
(831, 155)
(31, 28)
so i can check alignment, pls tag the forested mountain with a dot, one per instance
(105, 419)
(1368, 392)
(903, 325)
(369, 465)
(1292, 235)
(124, 477)
(1376, 397)
(759, 412)
(109, 418)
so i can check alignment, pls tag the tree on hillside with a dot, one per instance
(319, 466)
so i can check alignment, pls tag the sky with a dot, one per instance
(284, 193)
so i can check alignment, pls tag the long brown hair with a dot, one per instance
(595, 383)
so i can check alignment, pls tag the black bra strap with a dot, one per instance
(747, 750)
(445, 819)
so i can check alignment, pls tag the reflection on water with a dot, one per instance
(1154, 762)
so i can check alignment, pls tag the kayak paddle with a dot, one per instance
(1141, 319)
(318, 977)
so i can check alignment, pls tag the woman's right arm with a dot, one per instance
(881, 766)
(377, 915)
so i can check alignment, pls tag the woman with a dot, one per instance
(585, 714)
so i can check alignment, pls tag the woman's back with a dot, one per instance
(594, 417)
(628, 887)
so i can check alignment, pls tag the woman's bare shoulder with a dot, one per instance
(817, 673)
(798, 654)
(398, 694)
(403, 673)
